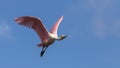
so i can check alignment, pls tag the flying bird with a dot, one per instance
(47, 38)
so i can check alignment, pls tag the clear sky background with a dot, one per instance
(94, 27)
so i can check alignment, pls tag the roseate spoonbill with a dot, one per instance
(47, 38)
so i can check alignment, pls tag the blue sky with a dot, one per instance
(93, 24)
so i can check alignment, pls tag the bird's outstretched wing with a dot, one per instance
(56, 25)
(34, 23)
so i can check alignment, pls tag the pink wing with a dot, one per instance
(56, 25)
(34, 23)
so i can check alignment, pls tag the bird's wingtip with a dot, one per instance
(62, 16)
(18, 20)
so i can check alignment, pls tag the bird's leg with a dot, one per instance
(43, 50)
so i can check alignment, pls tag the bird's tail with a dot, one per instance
(40, 45)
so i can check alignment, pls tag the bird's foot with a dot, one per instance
(42, 52)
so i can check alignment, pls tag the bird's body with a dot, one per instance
(47, 38)
(48, 41)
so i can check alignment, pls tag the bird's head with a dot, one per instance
(63, 37)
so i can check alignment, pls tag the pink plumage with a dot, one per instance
(47, 38)
(56, 25)
(34, 23)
